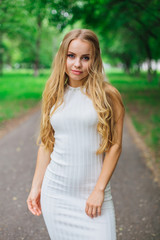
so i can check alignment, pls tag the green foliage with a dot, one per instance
(129, 30)
(30, 33)
(19, 91)
(141, 100)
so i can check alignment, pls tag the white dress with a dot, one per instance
(73, 172)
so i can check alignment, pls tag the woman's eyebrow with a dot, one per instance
(82, 54)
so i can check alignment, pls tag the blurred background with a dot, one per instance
(129, 34)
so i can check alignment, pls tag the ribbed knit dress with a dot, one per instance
(73, 172)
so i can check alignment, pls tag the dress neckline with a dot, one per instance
(73, 88)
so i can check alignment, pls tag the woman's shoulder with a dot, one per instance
(114, 98)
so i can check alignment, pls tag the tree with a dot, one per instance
(11, 21)
(128, 28)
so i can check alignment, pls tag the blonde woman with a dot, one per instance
(81, 141)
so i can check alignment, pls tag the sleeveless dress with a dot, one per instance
(73, 172)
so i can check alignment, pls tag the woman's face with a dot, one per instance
(78, 61)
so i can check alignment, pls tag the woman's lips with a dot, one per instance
(76, 72)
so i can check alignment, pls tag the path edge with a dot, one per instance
(147, 153)
(8, 125)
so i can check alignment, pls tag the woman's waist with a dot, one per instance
(79, 159)
(76, 156)
(69, 174)
(78, 180)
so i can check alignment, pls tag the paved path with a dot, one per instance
(136, 196)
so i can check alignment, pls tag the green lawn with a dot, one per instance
(142, 102)
(19, 91)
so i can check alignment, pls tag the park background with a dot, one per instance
(129, 34)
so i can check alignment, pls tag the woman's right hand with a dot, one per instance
(33, 201)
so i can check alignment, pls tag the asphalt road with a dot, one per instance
(136, 196)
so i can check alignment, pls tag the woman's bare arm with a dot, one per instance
(33, 200)
(96, 198)
(111, 157)
(43, 159)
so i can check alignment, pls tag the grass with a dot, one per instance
(142, 102)
(19, 91)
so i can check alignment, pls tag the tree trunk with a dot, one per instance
(127, 65)
(138, 70)
(149, 55)
(127, 69)
(149, 74)
(36, 62)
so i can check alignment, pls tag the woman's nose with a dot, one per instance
(77, 62)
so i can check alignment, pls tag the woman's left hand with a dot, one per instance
(94, 203)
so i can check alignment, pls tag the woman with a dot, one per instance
(81, 141)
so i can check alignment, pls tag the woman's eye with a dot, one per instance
(86, 58)
(70, 55)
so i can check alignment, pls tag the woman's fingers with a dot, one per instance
(94, 203)
(34, 207)
(93, 211)
(90, 212)
(99, 211)
(39, 206)
(86, 209)
(30, 206)
(38, 202)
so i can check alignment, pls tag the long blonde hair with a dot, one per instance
(102, 93)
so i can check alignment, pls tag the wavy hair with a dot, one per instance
(102, 93)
